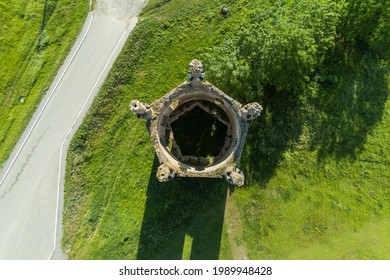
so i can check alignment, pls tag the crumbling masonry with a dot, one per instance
(216, 111)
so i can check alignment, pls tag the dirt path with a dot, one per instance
(234, 229)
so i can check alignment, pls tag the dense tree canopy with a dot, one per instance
(282, 44)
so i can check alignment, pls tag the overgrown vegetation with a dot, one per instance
(316, 161)
(35, 37)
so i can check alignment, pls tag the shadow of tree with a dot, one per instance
(351, 100)
(352, 92)
(183, 206)
(275, 131)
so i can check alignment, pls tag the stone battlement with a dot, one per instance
(197, 130)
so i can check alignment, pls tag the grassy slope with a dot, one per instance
(322, 191)
(35, 38)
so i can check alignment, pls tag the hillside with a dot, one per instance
(316, 161)
(35, 38)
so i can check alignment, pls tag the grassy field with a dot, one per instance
(35, 37)
(316, 161)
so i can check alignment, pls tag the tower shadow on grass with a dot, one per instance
(179, 208)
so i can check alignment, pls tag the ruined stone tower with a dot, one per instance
(197, 130)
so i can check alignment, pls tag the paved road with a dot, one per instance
(30, 195)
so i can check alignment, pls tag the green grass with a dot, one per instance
(35, 37)
(316, 161)
(367, 242)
